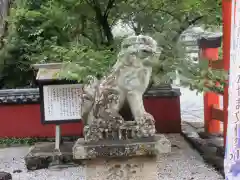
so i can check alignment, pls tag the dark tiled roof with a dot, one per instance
(19, 96)
(162, 92)
(31, 96)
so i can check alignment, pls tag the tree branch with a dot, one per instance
(84, 20)
(186, 24)
(195, 20)
(109, 7)
(115, 20)
(169, 13)
(136, 28)
(95, 5)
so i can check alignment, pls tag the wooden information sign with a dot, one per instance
(61, 103)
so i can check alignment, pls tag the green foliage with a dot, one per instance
(5, 142)
(166, 21)
(198, 76)
(17, 141)
(82, 61)
(79, 32)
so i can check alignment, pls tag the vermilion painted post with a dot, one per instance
(226, 14)
(209, 51)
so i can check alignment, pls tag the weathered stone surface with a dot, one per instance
(221, 151)
(135, 168)
(126, 83)
(205, 135)
(5, 176)
(121, 148)
(210, 146)
(17, 171)
(197, 125)
(116, 122)
(41, 155)
(216, 142)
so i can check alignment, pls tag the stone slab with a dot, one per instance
(197, 125)
(41, 155)
(121, 148)
(210, 147)
(134, 168)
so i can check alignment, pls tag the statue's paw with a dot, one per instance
(115, 122)
(102, 123)
(146, 119)
(152, 131)
(92, 133)
(148, 130)
(146, 125)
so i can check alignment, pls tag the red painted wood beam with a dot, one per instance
(209, 51)
(226, 14)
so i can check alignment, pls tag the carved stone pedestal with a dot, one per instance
(150, 146)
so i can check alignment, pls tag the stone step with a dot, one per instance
(121, 148)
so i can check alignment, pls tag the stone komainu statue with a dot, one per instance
(127, 81)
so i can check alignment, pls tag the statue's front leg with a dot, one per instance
(136, 104)
(105, 118)
(110, 102)
(144, 119)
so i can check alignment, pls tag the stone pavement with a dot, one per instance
(210, 146)
(183, 163)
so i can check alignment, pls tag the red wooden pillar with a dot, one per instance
(226, 14)
(209, 51)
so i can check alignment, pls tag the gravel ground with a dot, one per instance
(183, 163)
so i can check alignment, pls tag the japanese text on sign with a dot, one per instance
(62, 102)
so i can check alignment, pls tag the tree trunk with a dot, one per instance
(107, 30)
(4, 10)
(104, 24)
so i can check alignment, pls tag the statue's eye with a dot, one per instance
(145, 51)
(87, 98)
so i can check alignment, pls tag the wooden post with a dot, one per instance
(209, 51)
(57, 137)
(226, 14)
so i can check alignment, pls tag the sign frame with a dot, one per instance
(43, 83)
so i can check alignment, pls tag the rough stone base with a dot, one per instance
(129, 168)
(5, 176)
(41, 155)
(210, 146)
(121, 148)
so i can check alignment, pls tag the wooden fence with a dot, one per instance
(213, 115)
